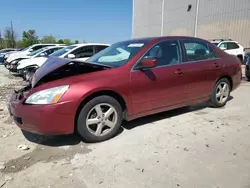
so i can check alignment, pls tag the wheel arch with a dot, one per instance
(110, 93)
(229, 79)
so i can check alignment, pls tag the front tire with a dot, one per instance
(221, 93)
(99, 119)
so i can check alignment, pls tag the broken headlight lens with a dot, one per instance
(47, 96)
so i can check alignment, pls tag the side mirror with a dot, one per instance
(30, 50)
(42, 54)
(147, 63)
(71, 56)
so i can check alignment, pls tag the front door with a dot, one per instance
(160, 86)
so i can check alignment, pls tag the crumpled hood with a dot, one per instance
(16, 55)
(54, 63)
(39, 61)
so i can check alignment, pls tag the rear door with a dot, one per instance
(201, 68)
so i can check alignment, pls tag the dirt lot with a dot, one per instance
(194, 147)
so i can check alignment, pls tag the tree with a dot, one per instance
(48, 39)
(1, 41)
(20, 44)
(29, 38)
(67, 41)
(76, 41)
(10, 37)
(60, 41)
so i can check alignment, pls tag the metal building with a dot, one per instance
(206, 19)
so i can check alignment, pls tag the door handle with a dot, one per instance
(178, 71)
(216, 65)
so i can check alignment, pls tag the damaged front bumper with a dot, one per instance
(13, 68)
(52, 119)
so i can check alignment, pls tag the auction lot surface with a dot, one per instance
(194, 147)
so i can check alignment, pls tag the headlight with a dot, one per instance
(47, 96)
(13, 62)
(7, 55)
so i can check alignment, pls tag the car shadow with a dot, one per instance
(163, 115)
(53, 141)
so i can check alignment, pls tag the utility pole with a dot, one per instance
(12, 35)
(1, 41)
(196, 17)
(162, 16)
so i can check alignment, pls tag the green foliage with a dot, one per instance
(60, 41)
(67, 41)
(9, 37)
(29, 38)
(20, 44)
(48, 39)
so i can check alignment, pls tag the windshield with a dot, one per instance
(62, 51)
(25, 48)
(36, 52)
(118, 54)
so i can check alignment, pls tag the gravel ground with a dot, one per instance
(193, 147)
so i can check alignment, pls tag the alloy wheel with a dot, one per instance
(222, 92)
(101, 119)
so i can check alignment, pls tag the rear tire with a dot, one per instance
(248, 78)
(221, 93)
(240, 58)
(99, 119)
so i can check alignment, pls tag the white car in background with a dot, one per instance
(230, 47)
(42, 52)
(10, 56)
(76, 51)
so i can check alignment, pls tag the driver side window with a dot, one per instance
(166, 52)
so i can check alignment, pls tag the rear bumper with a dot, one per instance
(237, 78)
(54, 119)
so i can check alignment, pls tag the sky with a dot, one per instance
(105, 21)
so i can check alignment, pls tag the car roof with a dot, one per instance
(51, 47)
(87, 44)
(49, 44)
(149, 39)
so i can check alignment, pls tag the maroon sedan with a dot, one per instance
(127, 80)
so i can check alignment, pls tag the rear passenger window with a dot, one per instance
(166, 53)
(232, 45)
(197, 51)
